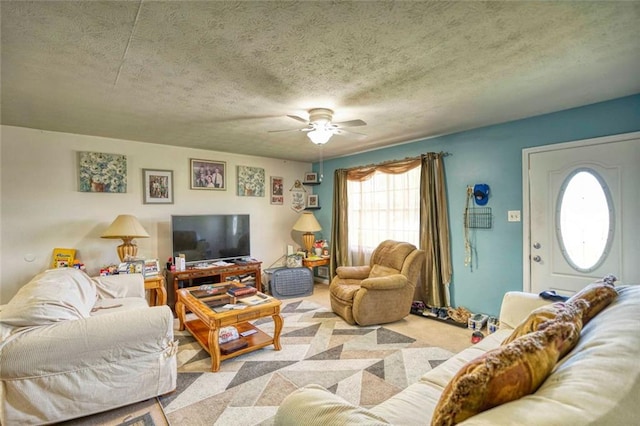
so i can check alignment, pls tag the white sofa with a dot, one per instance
(74, 346)
(597, 383)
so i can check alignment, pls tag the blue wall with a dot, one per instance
(491, 155)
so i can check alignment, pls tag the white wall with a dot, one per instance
(41, 207)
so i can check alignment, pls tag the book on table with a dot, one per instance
(242, 291)
(63, 257)
(207, 291)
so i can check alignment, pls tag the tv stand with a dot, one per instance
(248, 274)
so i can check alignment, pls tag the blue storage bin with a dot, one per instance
(286, 283)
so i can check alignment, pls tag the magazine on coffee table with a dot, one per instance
(256, 299)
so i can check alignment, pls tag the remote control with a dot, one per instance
(248, 333)
(263, 296)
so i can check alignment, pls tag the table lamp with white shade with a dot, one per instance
(308, 224)
(126, 227)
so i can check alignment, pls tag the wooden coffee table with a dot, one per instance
(206, 326)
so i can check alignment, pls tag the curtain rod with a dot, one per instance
(417, 157)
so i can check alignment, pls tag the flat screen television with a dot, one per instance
(212, 237)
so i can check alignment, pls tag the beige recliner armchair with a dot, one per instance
(381, 292)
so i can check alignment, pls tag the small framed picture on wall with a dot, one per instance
(310, 177)
(312, 201)
(158, 186)
(207, 174)
(277, 190)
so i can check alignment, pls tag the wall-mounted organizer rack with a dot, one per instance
(478, 217)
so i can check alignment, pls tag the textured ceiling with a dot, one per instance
(221, 75)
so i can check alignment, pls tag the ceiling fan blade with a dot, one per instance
(305, 129)
(287, 130)
(338, 131)
(300, 119)
(351, 123)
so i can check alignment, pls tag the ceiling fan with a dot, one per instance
(320, 128)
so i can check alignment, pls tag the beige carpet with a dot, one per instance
(364, 365)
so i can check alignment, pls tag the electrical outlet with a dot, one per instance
(513, 215)
(289, 249)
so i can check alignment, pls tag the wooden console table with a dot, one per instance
(248, 274)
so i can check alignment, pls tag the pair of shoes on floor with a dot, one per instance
(459, 314)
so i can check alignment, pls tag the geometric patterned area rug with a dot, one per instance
(364, 365)
(144, 413)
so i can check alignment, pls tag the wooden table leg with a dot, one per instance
(214, 348)
(277, 319)
(161, 295)
(180, 311)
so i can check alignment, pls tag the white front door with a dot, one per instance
(582, 213)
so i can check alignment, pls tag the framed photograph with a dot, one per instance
(207, 174)
(277, 190)
(251, 181)
(151, 268)
(311, 177)
(157, 186)
(101, 172)
(312, 201)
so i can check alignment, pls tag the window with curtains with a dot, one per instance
(384, 206)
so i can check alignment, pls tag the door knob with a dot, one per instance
(537, 259)
(536, 245)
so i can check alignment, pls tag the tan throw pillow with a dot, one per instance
(547, 315)
(504, 374)
(533, 321)
(598, 295)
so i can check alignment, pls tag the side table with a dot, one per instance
(312, 262)
(157, 290)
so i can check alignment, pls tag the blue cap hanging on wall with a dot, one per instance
(481, 193)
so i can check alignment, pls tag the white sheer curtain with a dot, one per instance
(385, 206)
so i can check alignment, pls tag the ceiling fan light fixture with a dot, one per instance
(320, 136)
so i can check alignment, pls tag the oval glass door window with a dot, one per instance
(584, 219)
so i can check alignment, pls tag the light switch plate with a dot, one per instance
(513, 215)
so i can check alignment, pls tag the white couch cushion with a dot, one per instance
(52, 296)
(117, 286)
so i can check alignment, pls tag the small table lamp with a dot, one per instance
(308, 224)
(127, 228)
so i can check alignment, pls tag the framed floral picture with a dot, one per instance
(277, 190)
(207, 174)
(251, 181)
(100, 172)
(157, 186)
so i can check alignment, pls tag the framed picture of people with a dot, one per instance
(208, 174)
(158, 186)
